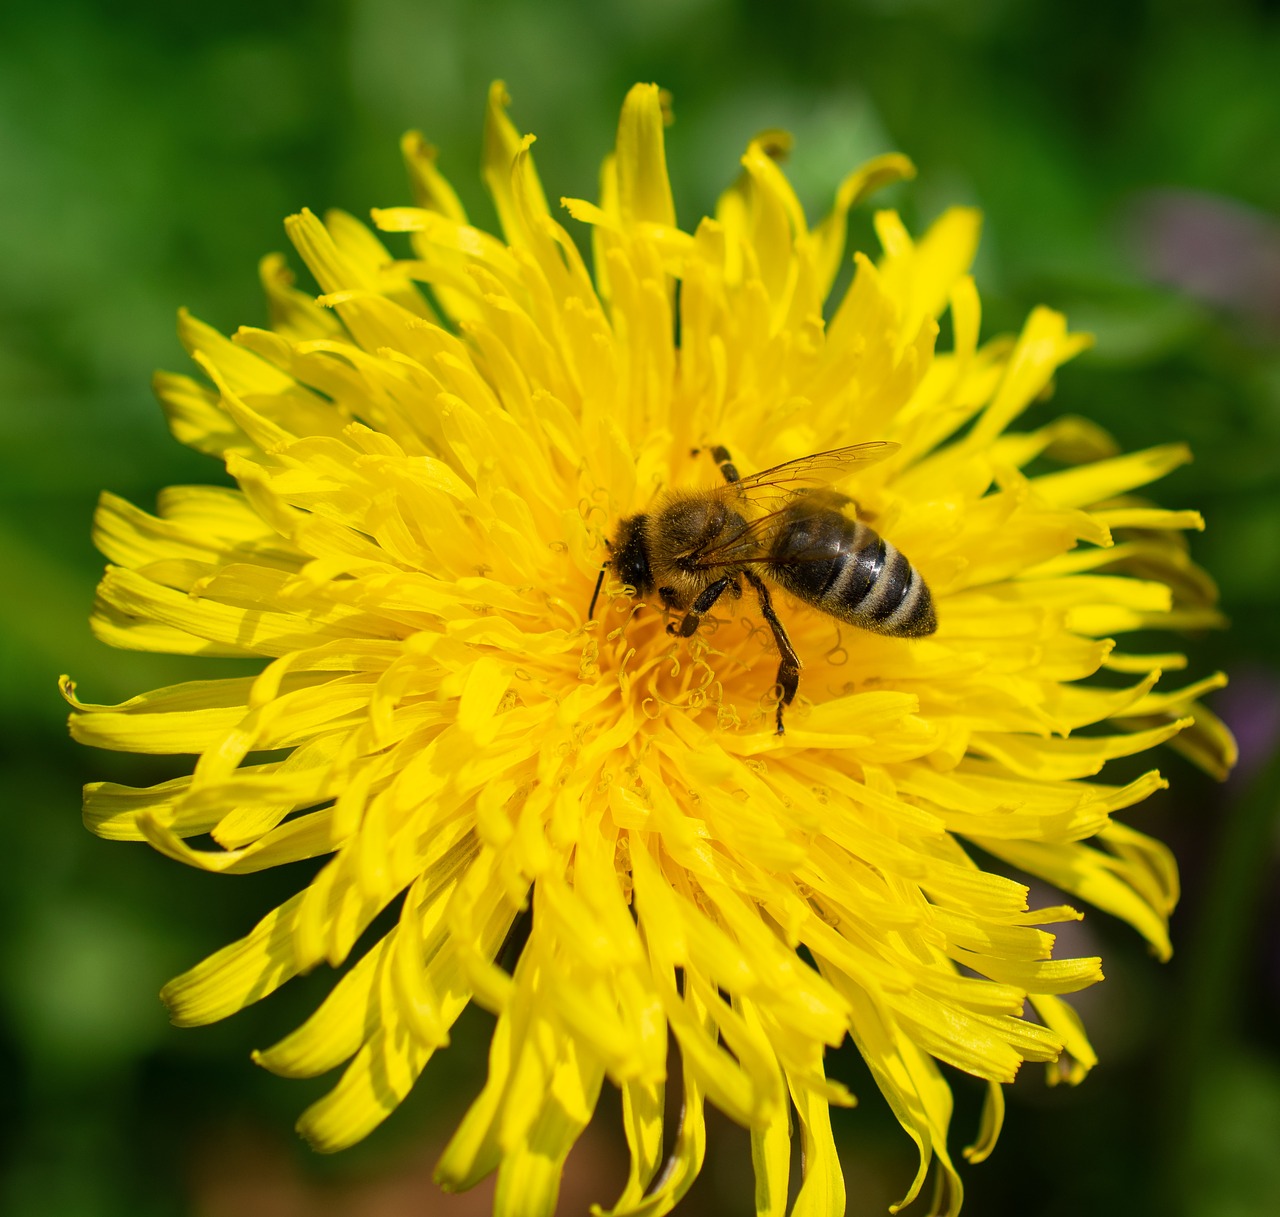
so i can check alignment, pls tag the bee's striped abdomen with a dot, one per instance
(847, 569)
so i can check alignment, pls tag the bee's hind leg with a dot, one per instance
(788, 679)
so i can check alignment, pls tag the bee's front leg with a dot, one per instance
(706, 598)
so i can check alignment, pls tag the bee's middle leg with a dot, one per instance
(706, 598)
(788, 678)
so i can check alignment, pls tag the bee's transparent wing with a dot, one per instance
(820, 469)
(754, 541)
(798, 488)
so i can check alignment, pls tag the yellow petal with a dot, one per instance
(1078, 1055)
(644, 191)
(1121, 886)
(685, 1160)
(503, 144)
(830, 234)
(1042, 347)
(1105, 479)
(992, 1120)
(529, 1177)
(822, 1185)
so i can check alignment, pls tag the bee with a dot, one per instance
(785, 526)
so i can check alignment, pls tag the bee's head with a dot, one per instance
(631, 555)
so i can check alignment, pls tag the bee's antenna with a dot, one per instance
(591, 612)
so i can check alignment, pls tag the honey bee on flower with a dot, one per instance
(695, 547)
(434, 457)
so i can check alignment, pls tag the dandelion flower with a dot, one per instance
(429, 458)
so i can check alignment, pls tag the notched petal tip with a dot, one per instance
(430, 188)
(509, 172)
(774, 142)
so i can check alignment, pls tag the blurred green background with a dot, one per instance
(1127, 156)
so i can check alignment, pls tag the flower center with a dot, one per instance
(726, 672)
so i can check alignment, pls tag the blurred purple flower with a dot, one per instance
(1250, 706)
(1214, 249)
